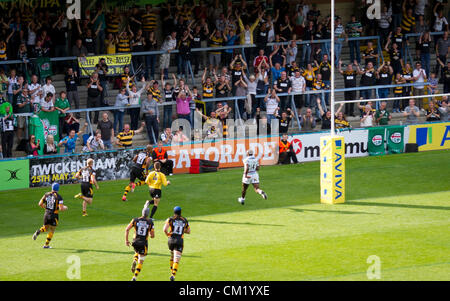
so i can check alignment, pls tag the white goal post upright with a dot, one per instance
(332, 147)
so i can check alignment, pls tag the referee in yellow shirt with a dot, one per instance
(155, 180)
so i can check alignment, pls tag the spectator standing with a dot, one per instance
(349, 82)
(442, 48)
(432, 113)
(419, 77)
(121, 101)
(169, 44)
(125, 138)
(382, 115)
(411, 113)
(384, 78)
(325, 72)
(149, 107)
(425, 45)
(283, 85)
(354, 30)
(70, 141)
(94, 89)
(384, 24)
(368, 78)
(307, 121)
(102, 70)
(446, 75)
(135, 100)
(183, 109)
(272, 102)
(367, 117)
(72, 80)
(443, 110)
(62, 105)
(7, 122)
(325, 115)
(106, 128)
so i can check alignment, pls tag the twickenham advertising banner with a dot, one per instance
(110, 165)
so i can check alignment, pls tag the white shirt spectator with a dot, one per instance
(46, 105)
(439, 23)
(420, 73)
(420, 7)
(48, 88)
(36, 87)
(368, 121)
(94, 143)
(271, 105)
(291, 54)
(135, 96)
(298, 84)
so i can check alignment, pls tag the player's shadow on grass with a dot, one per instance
(232, 223)
(397, 205)
(330, 211)
(118, 252)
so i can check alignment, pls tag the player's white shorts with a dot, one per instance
(254, 179)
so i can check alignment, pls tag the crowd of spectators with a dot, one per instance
(260, 75)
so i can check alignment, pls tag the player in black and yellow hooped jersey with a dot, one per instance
(87, 177)
(141, 163)
(143, 227)
(175, 227)
(155, 180)
(52, 202)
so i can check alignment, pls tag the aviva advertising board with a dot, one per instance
(431, 136)
(332, 169)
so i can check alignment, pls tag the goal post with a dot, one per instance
(332, 169)
(332, 147)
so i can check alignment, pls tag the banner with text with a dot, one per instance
(115, 62)
(395, 140)
(307, 146)
(431, 136)
(111, 165)
(375, 141)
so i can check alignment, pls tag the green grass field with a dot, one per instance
(397, 209)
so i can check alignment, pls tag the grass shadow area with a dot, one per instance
(232, 223)
(411, 206)
(338, 211)
(80, 251)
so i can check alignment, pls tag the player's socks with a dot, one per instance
(171, 266)
(85, 213)
(42, 229)
(138, 269)
(262, 193)
(133, 185)
(140, 183)
(127, 189)
(35, 235)
(78, 196)
(49, 238)
(153, 211)
(174, 268)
